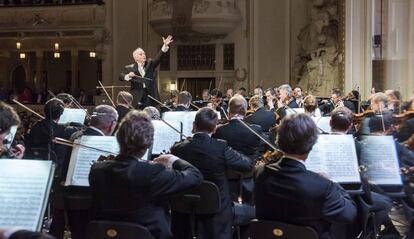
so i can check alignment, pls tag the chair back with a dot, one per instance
(117, 230)
(259, 229)
(203, 199)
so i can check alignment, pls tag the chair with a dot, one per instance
(117, 230)
(261, 229)
(202, 200)
(367, 218)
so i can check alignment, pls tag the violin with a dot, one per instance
(410, 143)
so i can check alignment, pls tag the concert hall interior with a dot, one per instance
(210, 119)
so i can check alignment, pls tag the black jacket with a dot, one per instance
(131, 190)
(287, 192)
(137, 87)
(265, 118)
(122, 111)
(212, 157)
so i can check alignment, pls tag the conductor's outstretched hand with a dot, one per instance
(167, 40)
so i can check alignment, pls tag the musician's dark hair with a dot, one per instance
(135, 134)
(381, 122)
(8, 117)
(217, 93)
(206, 120)
(184, 97)
(54, 108)
(272, 91)
(103, 115)
(337, 92)
(238, 105)
(297, 134)
(341, 118)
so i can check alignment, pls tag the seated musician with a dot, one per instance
(244, 141)
(341, 123)
(66, 98)
(286, 100)
(212, 157)
(384, 124)
(102, 123)
(183, 101)
(336, 101)
(310, 105)
(44, 131)
(286, 191)
(407, 129)
(131, 189)
(394, 101)
(123, 104)
(9, 118)
(152, 112)
(270, 99)
(265, 118)
(298, 95)
(218, 104)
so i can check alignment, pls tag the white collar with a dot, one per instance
(98, 130)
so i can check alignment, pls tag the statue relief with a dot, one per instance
(316, 66)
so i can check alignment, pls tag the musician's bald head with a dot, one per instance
(104, 117)
(135, 134)
(237, 106)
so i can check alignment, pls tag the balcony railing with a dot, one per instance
(33, 3)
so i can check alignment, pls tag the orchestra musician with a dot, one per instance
(310, 105)
(183, 101)
(123, 104)
(103, 121)
(270, 99)
(144, 68)
(218, 104)
(241, 139)
(39, 141)
(131, 189)
(212, 157)
(341, 124)
(286, 100)
(9, 118)
(260, 116)
(286, 191)
(298, 95)
(335, 101)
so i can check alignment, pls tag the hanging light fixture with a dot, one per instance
(56, 55)
(92, 54)
(22, 55)
(18, 45)
(56, 46)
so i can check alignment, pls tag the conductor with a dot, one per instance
(141, 74)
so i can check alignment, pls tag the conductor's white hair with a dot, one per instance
(137, 50)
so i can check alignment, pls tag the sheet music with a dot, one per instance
(379, 155)
(72, 115)
(164, 136)
(185, 117)
(82, 158)
(24, 190)
(290, 111)
(336, 156)
(323, 123)
(10, 136)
